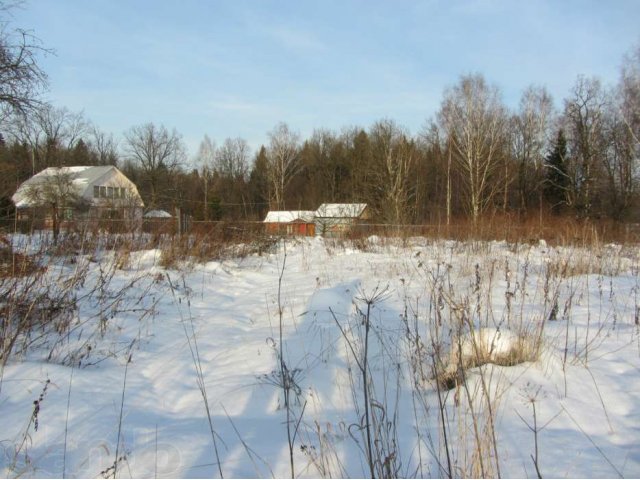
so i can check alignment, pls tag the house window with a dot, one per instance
(103, 192)
(123, 192)
(96, 191)
(109, 192)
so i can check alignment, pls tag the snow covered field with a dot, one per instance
(480, 359)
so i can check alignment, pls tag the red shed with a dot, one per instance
(290, 222)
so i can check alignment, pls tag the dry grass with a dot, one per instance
(14, 264)
(481, 347)
(515, 229)
(218, 243)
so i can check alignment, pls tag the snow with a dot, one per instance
(157, 214)
(223, 317)
(21, 197)
(286, 216)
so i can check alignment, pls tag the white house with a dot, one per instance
(79, 193)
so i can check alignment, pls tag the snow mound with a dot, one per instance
(330, 304)
(485, 345)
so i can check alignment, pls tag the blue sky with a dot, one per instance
(230, 68)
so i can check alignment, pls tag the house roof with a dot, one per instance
(341, 210)
(287, 216)
(81, 178)
(157, 214)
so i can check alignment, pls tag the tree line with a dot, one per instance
(474, 157)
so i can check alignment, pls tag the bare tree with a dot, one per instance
(475, 120)
(620, 164)
(206, 159)
(104, 146)
(48, 130)
(232, 159)
(530, 135)
(394, 155)
(21, 78)
(324, 156)
(61, 126)
(629, 96)
(283, 161)
(584, 116)
(358, 164)
(56, 192)
(156, 150)
(436, 166)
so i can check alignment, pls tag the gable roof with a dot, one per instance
(341, 210)
(81, 178)
(287, 216)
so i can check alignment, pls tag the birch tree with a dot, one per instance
(623, 159)
(629, 97)
(205, 159)
(394, 156)
(620, 164)
(475, 120)
(283, 162)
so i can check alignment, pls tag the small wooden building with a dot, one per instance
(290, 222)
(337, 219)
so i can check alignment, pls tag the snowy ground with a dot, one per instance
(124, 381)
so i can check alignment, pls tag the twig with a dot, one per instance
(604, 408)
(66, 426)
(592, 442)
(284, 371)
(442, 409)
(195, 357)
(124, 387)
(295, 432)
(247, 448)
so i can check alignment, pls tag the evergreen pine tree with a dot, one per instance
(259, 185)
(557, 179)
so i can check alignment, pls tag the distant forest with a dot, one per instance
(474, 157)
